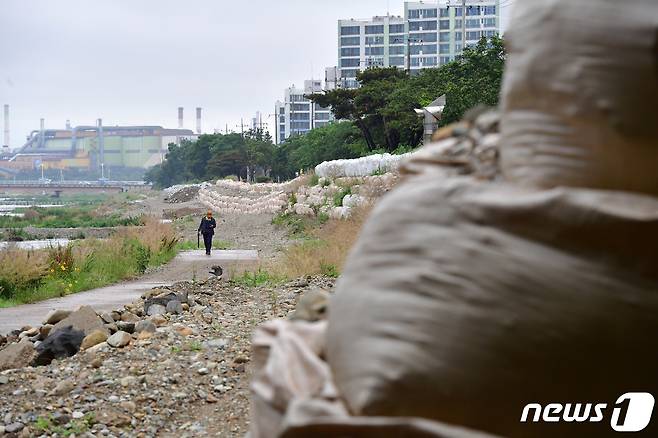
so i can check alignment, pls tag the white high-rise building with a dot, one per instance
(429, 35)
(297, 114)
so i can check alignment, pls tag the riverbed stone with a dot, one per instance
(17, 355)
(94, 338)
(55, 316)
(119, 339)
(175, 307)
(84, 319)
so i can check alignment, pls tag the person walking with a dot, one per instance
(207, 230)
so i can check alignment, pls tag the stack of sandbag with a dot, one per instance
(467, 299)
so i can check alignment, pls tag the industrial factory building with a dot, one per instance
(94, 147)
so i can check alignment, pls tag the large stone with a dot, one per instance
(62, 343)
(119, 339)
(156, 309)
(107, 318)
(145, 326)
(84, 319)
(175, 307)
(55, 316)
(94, 338)
(129, 317)
(17, 355)
(124, 326)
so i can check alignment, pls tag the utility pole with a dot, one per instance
(463, 26)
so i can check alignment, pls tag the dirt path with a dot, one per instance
(188, 265)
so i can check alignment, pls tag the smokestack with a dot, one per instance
(101, 146)
(198, 120)
(5, 145)
(180, 117)
(42, 133)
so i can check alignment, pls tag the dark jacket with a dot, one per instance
(207, 226)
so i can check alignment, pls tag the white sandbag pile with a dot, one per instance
(359, 167)
(228, 196)
(465, 300)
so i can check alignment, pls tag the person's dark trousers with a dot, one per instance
(207, 241)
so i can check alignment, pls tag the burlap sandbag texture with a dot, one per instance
(579, 95)
(462, 302)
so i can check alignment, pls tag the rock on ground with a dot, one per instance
(185, 378)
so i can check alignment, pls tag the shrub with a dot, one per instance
(338, 197)
(263, 179)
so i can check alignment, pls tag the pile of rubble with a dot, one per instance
(183, 193)
(132, 369)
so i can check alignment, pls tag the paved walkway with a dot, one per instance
(187, 265)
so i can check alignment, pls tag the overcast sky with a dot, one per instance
(133, 62)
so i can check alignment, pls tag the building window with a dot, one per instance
(375, 62)
(473, 23)
(422, 25)
(444, 36)
(458, 46)
(300, 125)
(300, 116)
(370, 30)
(396, 61)
(349, 62)
(489, 22)
(350, 51)
(490, 33)
(473, 10)
(322, 116)
(458, 36)
(424, 37)
(444, 48)
(473, 35)
(422, 13)
(300, 107)
(419, 49)
(458, 23)
(282, 110)
(396, 28)
(348, 73)
(490, 10)
(443, 60)
(350, 41)
(445, 12)
(458, 12)
(374, 40)
(396, 50)
(350, 30)
(374, 51)
(396, 39)
(444, 24)
(282, 119)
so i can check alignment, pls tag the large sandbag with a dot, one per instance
(462, 302)
(580, 93)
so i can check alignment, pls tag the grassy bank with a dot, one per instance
(322, 248)
(29, 276)
(66, 217)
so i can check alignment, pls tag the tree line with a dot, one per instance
(376, 117)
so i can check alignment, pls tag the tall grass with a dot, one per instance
(324, 252)
(28, 276)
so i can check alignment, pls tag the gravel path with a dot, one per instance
(185, 266)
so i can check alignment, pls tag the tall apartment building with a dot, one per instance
(298, 115)
(429, 35)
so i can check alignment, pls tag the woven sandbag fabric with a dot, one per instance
(579, 94)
